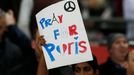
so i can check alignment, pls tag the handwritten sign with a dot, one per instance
(63, 28)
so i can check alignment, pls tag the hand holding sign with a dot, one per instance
(63, 28)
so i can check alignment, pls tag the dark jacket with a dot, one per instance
(65, 70)
(111, 68)
(16, 54)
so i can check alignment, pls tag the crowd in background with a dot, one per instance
(107, 22)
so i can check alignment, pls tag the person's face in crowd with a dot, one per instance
(84, 69)
(6, 19)
(119, 48)
(130, 63)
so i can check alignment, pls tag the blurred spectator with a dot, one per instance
(86, 68)
(14, 5)
(94, 8)
(118, 49)
(22, 12)
(129, 65)
(16, 54)
(93, 33)
(128, 7)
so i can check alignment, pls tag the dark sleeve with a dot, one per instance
(104, 70)
(29, 62)
(19, 38)
(101, 70)
(55, 71)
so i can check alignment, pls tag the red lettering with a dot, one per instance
(82, 46)
(60, 18)
(64, 47)
(72, 30)
(69, 47)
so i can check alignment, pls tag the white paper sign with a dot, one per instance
(63, 29)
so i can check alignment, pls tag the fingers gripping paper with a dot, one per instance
(63, 29)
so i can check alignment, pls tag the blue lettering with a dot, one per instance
(58, 49)
(42, 21)
(45, 23)
(76, 45)
(49, 48)
(56, 33)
